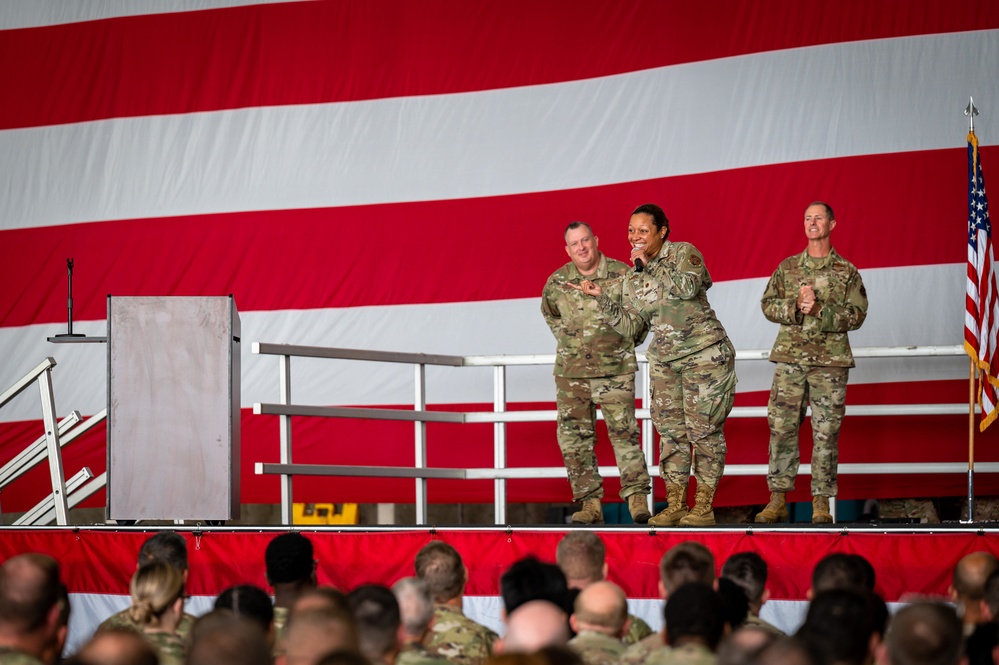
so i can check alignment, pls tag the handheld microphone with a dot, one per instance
(639, 266)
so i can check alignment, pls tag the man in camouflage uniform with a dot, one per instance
(749, 571)
(582, 557)
(817, 297)
(683, 563)
(167, 547)
(30, 610)
(695, 624)
(691, 361)
(416, 610)
(453, 635)
(600, 618)
(291, 571)
(594, 365)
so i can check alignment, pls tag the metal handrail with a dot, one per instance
(419, 415)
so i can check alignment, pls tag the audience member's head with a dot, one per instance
(157, 591)
(416, 607)
(30, 592)
(321, 597)
(749, 571)
(842, 625)
(222, 638)
(164, 547)
(686, 562)
(787, 651)
(118, 646)
(249, 602)
(532, 626)
(990, 600)
(582, 557)
(871, 578)
(694, 613)
(923, 633)
(531, 579)
(601, 607)
(290, 562)
(344, 657)
(376, 613)
(968, 588)
(440, 566)
(743, 646)
(311, 634)
(838, 571)
(734, 601)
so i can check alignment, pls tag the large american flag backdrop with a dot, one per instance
(397, 175)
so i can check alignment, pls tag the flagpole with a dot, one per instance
(971, 440)
(971, 112)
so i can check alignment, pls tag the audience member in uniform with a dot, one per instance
(30, 592)
(453, 635)
(582, 556)
(249, 602)
(685, 562)
(749, 571)
(531, 579)
(837, 571)
(311, 634)
(157, 591)
(695, 625)
(118, 646)
(600, 620)
(167, 547)
(842, 626)
(416, 611)
(291, 570)
(967, 589)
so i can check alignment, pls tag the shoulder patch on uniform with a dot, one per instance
(695, 261)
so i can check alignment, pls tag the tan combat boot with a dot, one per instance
(820, 510)
(676, 497)
(776, 510)
(702, 514)
(591, 513)
(638, 506)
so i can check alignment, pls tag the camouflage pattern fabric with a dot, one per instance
(670, 297)
(753, 620)
(688, 654)
(587, 346)
(10, 656)
(417, 654)
(922, 510)
(691, 397)
(122, 620)
(594, 365)
(804, 344)
(576, 400)
(839, 291)
(459, 639)
(640, 652)
(638, 630)
(170, 647)
(793, 387)
(597, 648)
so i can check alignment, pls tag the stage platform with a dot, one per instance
(99, 561)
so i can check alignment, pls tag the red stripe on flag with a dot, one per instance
(308, 259)
(316, 52)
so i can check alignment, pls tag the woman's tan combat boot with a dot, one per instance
(676, 497)
(591, 513)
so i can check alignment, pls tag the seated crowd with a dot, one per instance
(566, 613)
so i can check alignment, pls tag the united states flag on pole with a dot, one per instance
(980, 321)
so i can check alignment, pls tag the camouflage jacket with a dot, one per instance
(459, 639)
(670, 296)
(753, 620)
(170, 647)
(587, 347)
(815, 340)
(641, 651)
(122, 620)
(11, 656)
(686, 654)
(418, 654)
(638, 630)
(597, 648)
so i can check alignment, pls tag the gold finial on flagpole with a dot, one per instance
(971, 112)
